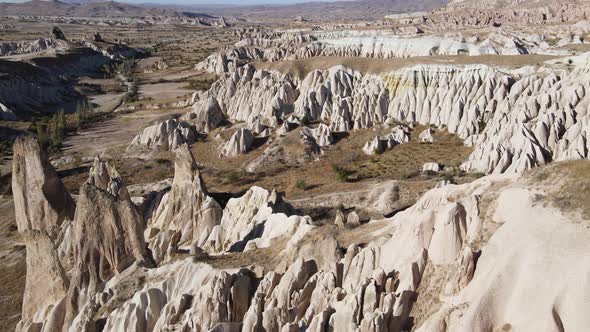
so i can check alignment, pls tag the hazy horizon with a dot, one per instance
(208, 2)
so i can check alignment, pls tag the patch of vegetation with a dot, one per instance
(125, 68)
(566, 184)
(301, 184)
(341, 173)
(50, 132)
(202, 83)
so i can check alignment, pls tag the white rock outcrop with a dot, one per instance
(432, 167)
(513, 120)
(321, 135)
(186, 215)
(206, 115)
(378, 145)
(170, 133)
(42, 206)
(426, 136)
(244, 219)
(239, 143)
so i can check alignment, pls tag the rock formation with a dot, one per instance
(426, 136)
(239, 143)
(56, 33)
(432, 167)
(244, 219)
(321, 136)
(496, 13)
(170, 134)
(206, 115)
(42, 206)
(107, 239)
(314, 285)
(519, 132)
(186, 215)
(378, 145)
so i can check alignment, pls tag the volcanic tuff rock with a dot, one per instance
(498, 12)
(432, 167)
(206, 115)
(186, 215)
(42, 205)
(39, 45)
(244, 219)
(378, 145)
(317, 285)
(239, 143)
(107, 238)
(170, 134)
(321, 135)
(275, 46)
(510, 247)
(514, 121)
(426, 136)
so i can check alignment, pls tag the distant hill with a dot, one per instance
(349, 10)
(87, 9)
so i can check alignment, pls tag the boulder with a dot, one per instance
(432, 167)
(426, 136)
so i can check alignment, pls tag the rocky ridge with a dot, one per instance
(514, 120)
(318, 285)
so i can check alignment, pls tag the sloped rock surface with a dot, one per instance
(378, 145)
(244, 219)
(107, 238)
(239, 143)
(186, 214)
(206, 115)
(170, 133)
(321, 135)
(42, 206)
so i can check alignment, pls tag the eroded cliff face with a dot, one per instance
(495, 13)
(515, 120)
(433, 266)
(42, 206)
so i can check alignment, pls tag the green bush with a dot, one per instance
(301, 184)
(341, 173)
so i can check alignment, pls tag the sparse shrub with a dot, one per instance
(306, 119)
(301, 184)
(449, 177)
(341, 173)
(430, 173)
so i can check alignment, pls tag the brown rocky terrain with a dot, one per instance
(412, 172)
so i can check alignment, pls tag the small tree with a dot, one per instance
(84, 110)
(41, 135)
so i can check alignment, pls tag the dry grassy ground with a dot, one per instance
(404, 162)
(565, 185)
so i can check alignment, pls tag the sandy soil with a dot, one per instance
(163, 90)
